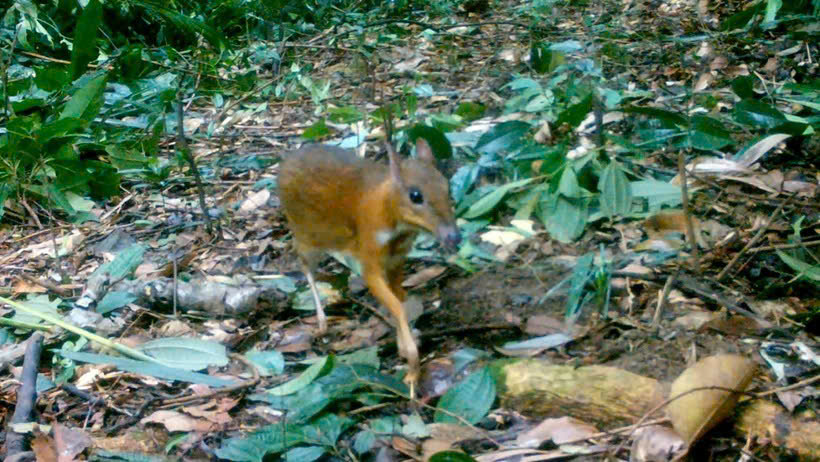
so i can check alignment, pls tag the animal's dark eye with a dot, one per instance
(415, 196)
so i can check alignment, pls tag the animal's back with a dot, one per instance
(320, 188)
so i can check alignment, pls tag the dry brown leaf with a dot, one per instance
(69, 442)
(656, 444)
(44, 448)
(424, 276)
(178, 422)
(697, 412)
(559, 430)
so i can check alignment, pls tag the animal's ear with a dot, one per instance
(395, 165)
(423, 151)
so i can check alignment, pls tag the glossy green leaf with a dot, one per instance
(463, 180)
(435, 138)
(742, 19)
(803, 268)
(316, 131)
(540, 57)
(743, 86)
(84, 49)
(309, 375)
(668, 118)
(708, 134)
(451, 456)
(502, 137)
(576, 113)
(273, 439)
(470, 399)
(344, 114)
(59, 128)
(488, 202)
(470, 111)
(86, 102)
(616, 191)
(757, 113)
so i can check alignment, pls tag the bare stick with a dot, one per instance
(754, 240)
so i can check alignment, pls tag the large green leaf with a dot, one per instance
(488, 202)
(435, 138)
(616, 191)
(708, 134)
(502, 137)
(568, 219)
(668, 118)
(143, 367)
(309, 375)
(84, 50)
(805, 269)
(757, 113)
(470, 399)
(451, 456)
(86, 102)
(576, 113)
(191, 354)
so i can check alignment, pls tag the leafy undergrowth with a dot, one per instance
(590, 281)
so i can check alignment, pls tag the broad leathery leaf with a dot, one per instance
(435, 138)
(274, 439)
(805, 269)
(114, 299)
(61, 127)
(742, 19)
(364, 441)
(316, 131)
(568, 219)
(757, 113)
(576, 113)
(190, 354)
(696, 412)
(304, 453)
(463, 180)
(708, 134)
(141, 367)
(491, 200)
(502, 137)
(669, 119)
(84, 49)
(451, 456)
(86, 102)
(657, 193)
(568, 185)
(267, 362)
(125, 263)
(470, 399)
(309, 375)
(743, 86)
(327, 429)
(616, 191)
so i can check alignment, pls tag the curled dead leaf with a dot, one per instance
(696, 412)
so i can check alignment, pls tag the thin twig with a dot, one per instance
(687, 212)
(754, 240)
(189, 156)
